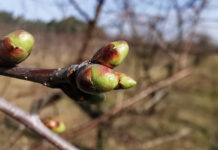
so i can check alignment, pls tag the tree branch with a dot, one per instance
(34, 123)
(89, 32)
(63, 78)
(80, 10)
(47, 77)
(188, 46)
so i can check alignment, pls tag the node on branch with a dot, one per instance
(87, 81)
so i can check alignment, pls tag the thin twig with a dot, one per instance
(33, 122)
(80, 10)
(45, 101)
(162, 140)
(188, 46)
(89, 32)
(158, 97)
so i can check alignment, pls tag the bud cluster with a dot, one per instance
(90, 79)
(98, 76)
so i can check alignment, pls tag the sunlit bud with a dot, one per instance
(96, 78)
(15, 47)
(54, 125)
(112, 54)
(125, 81)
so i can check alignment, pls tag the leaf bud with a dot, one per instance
(94, 98)
(125, 81)
(54, 125)
(15, 47)
(112, 54)
(96, 78)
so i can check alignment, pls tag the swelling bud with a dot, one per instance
(55, 126)
(15, 47)
(112, 54)
(96, 78)
(94, 98)
(125, 81)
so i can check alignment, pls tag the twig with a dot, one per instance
(45, 101)
(90, 30)
(34, 123)
(162, 140)
(188, 46)
(129, 102)
(158, 97)
(80, 10)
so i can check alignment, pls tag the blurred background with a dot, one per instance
(164, 36)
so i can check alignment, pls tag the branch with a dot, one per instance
(188, 46)
(62, 78)
(129, 102)
(47, 77)
(34, 123)
(89, 32)
(80, 10)
(166, 139)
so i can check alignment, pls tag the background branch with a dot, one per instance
(162, 140)
(34, 123)
(129, 102)
(90, 30)
(80, 10)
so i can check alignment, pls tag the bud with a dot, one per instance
(96, 78)
(112, 54)
(125, 81)
(15, 47)
(54, 125)
(94, 98)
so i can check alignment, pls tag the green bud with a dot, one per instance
(94, 98)
(125, 81)
(96, 78)
(54, 125)
(60, 129)
(15, 47)
(112, 54)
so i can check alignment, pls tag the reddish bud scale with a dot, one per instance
(8, 53)
(54, 125)
(84, 80)
(51, 124)
(105, 55)
(15, 47)
(112, 54)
